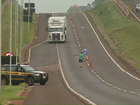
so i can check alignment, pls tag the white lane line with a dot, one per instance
(108, 53)
(33, 47)
(131, 12)
(112, 60)
(66, 83)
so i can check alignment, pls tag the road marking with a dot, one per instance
(108, 53)
(33, 47)
(120, 89)
(66, 83)
(132, 13)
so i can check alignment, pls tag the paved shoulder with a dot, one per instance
(54, 92)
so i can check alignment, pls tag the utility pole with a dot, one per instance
(15, 27)
(29, 17)
(16, 30)
(10, 41)
(0, 45)
(22, 1)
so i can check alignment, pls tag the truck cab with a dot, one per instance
(57, 29)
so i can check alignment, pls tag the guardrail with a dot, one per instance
(122, 7)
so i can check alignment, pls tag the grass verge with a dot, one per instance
(72, 9)
(27, 35)
(122, 33)
(9, 93)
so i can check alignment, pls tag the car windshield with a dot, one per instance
(28, 68)
(55, 30)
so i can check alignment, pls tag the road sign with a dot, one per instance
(31, 5)
(25, 18)
(128, 7)
(26, 12)
(8, 54)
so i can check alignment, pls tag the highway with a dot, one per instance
(107, 82)
(133, 6)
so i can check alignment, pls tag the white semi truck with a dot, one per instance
(57, 29)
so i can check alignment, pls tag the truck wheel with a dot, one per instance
(30, 81)
(4, 81)
(42, 83)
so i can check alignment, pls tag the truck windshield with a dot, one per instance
(55, 29)
(28, 68)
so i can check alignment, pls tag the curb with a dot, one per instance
(23, 93)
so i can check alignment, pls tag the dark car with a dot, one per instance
(22, 73)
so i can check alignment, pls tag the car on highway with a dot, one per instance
(22, 73)
(138, 7)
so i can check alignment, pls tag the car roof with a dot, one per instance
(9, 64)
(13, 64)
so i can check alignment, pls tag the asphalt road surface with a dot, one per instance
(44, 57)
(132, 4)
(107, 82)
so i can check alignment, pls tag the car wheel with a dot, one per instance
(4, 81)
(30, 81)
(42, 83)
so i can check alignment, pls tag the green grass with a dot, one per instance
(72, 9)
(9, 93)
(6, 31)
(123, 31)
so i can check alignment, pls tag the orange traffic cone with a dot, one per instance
(70, 18)
(73, 26)
(23, 63)
(81, 47)
(86, 58)
(90, 65)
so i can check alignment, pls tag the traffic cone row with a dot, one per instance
(81, 47)
(90, 66)
(73, 26)
(86, 58)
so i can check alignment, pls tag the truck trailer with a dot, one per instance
(57, 29)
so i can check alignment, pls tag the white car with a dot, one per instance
(138, 7)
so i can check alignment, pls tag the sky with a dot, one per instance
(56, 6)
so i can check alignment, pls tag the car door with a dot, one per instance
(16, 76)
(21, 73)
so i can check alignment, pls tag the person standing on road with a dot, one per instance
(81, 57)
(85, 53)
